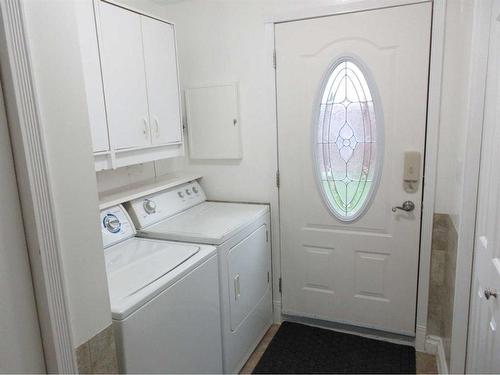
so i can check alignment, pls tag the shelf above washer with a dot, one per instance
(136, 190)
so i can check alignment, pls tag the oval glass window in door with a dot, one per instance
(348, 139)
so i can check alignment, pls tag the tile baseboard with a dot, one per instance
(98, 355)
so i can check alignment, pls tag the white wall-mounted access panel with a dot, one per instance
(214, 130)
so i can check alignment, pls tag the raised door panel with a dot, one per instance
(162, 81)
(124, 77)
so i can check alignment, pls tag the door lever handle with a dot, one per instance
(490, 293)
(407, 206)
(237, 293)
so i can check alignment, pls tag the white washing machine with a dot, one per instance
(164, 300)
(241, 234)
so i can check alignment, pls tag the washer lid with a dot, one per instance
(208, 222)
(137, 268)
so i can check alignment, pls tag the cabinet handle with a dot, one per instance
(146, 127)
(157, 126)
(237, 287)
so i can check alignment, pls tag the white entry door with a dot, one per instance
(484, 336)
(351, 104)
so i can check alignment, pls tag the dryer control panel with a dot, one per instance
(116, 225)
(152, 208)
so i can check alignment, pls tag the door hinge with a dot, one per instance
(277, 179)
(274, 59)
(267, 236)
(268, 277)
(279, 284)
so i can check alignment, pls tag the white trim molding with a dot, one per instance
(466, 233)
(337, 7)
(430, 169)
(35, 190)
(434, 345)
(420, 337)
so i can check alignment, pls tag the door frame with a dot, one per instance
(431, 143)
(30, 155)
(477, 81)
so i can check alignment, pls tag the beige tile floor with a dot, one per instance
(426, 363)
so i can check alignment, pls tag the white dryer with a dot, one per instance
(241, 234)
(164, 300)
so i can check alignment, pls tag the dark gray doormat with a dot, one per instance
(297, 348)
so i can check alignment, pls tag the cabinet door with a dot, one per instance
(92, 75)
(162, 81)
(123, 76)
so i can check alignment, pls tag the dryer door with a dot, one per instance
(249, 270)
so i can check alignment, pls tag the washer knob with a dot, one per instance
(180, 194)
(188, 192)
(149, 206)
(195, 190)
(111, 223)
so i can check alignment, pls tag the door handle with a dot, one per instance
(237, 287)
(488, 293)
(407, 206)
(157, 125)
(145, 129)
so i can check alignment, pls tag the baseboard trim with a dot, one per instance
(420, 337)
(434, 345)
(277, 312)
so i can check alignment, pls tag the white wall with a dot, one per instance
(20, 346)
(453, 120)
(56, 60)
(226, 41)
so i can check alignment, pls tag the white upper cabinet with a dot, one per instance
(131, 80)
(92, 76)
(123, 72)
(162, 81)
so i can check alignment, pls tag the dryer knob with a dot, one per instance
(149, 206)
(195, 190)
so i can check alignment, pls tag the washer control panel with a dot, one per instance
(116, 225)
(158, 206)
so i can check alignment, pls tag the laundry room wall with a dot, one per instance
(453, 118)
(58, 79)
(450, 232)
